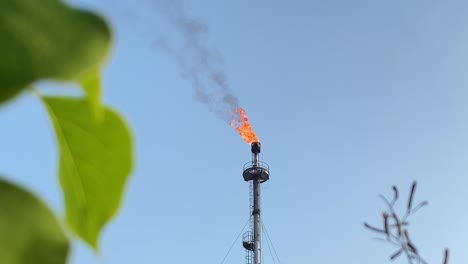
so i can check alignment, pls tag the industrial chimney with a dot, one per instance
(255, 172)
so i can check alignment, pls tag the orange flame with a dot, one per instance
(241, 124)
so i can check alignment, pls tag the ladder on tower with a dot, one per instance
(249, 257)
(247, 237)
(248, 243)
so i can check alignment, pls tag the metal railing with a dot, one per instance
(261, 164)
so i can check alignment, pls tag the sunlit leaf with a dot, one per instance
(46, 39)
(91, 84)
(95, 162)
(29, 231)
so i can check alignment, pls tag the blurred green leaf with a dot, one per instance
(48, 40)
(29, 231)
(91, 84)
(95, 162)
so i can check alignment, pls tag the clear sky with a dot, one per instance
(348, 98)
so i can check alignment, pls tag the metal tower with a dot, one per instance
(255, 172)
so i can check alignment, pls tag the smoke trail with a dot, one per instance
(200, 64)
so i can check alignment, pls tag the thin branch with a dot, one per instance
(410, 200)
(395, 228)
(395, 194)
(446, 256)
(396, 254)
(419, 206)
(374, 228)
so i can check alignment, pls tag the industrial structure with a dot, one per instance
(255, 172)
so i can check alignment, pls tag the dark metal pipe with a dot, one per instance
(257, 223)
(255, 147)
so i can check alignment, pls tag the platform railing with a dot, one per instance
(261, 164)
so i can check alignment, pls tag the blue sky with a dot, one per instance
(348, 98)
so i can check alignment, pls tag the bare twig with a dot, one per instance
(395, 194)
(396, 254)
(395, 228)
(373, 228)
(419, 206)
(446, 256)
(410, 200)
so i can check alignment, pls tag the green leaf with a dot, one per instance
(48, 40)
(95, 162)
(29, 231)
(92, 86)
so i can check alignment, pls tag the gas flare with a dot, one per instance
(240, 122)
